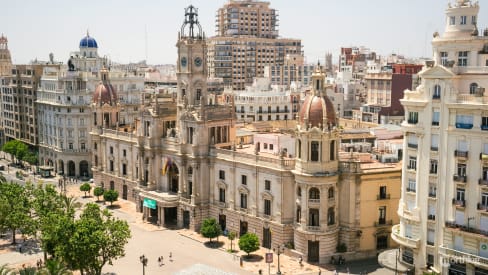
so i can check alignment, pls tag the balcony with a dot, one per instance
(465, 228)
(222, 204)
(484, 127)
(435, 123)
(314, 228)
(405, 241)
(434, 148)
(461, 154)
(483, 156)
(483, 181)
(482, 207)
(431, 217)
(461, 203)
(383, 197)
(457, 255)
(460, 178)
(413, 190)
(432, 195)
(464, 125)
(413, 145)
(383, 222)
(412, 121)
(436, 96)
(313, 201)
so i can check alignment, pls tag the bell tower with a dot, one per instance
(5, 59)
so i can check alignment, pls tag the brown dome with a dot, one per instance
(317, 111)
(104, 94)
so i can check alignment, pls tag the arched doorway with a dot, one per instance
(60, 167)
(173, 177)
(71, 169)
(84, 168)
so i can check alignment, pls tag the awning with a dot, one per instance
(149, 203)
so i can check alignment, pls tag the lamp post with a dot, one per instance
(143, 260)
(279, 250)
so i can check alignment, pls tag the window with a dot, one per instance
(330, 216)
(267, 185)
(299, 149)
(463, 59)
(299, 192)
(299, 214)
(484, 123)
(331, 193)
(430, 237)
(434, 142)
(111, 166)
(314, 151)
(460, 194)
(82, 146)
(430, 260)
(433, 166)
(267, 207)
(95, 146)
(435, 117)
(82, 121)
(411, 185)
(70, 145)
(432, 190)
(412, 140)
(463, 20)
(111, 150)
(314, 194)
(437, 92)
(124, 153)
(484, 200)
(244, 180)
(464, 121)
(221, 195)
(199, 94)
(265, 146)
(313, 217)
(243, 201)
(452, 20)
(473, 19)
(461, 169)
(222, 174)
(382, 215)
(271, 147)
(332, 150)
(444, 57)
(412, 163)
(413, 117)
(124, 169)
(382, 194)
(473, 88)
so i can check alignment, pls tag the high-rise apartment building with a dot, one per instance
(247, 41)
(443, 211)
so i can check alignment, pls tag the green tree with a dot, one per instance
(16, 149)
(231, 236)
(85, 187)
(30, 158)
(69, 205)
(98, 191)
(54, 267)
(110, 195)
(248, 243)
(15, 206)
(210, 229)
(97, 239)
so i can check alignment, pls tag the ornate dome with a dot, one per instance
(317, 111)
(88, 42)
(104, 94)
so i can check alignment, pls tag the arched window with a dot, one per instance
(473, 88)
(314, 151)
(331, 192)
(330, 216)
(299, 192)
(437, 92)
(314, 194)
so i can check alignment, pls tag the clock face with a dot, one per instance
(183, 61)
(198, 61)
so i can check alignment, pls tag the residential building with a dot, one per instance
(443, 218)
(246, 42)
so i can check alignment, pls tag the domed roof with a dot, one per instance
(88, 42)
(104, 94)
(317, 111)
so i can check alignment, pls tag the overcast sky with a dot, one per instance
(37, 27)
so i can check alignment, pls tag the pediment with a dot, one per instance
(436, 72)
(243, 189)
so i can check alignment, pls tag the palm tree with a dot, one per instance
(4, 270)
(70, 204)
(54, 267)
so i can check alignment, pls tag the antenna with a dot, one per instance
(145, 29)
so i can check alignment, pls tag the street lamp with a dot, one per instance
(279, 250)
(143, 260)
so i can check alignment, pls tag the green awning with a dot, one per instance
(149, 203)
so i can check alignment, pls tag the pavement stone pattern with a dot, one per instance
(201, 269)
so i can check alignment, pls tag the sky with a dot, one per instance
(124, 29)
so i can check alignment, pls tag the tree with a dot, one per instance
(248, 243)
(210, 229)
(98, 191)
(14, 207)
(54, 267)
(30, 158)
(97, 239)
(231, 236)
(85, 187)
(110, 195)
(4, 270)
(16, 149)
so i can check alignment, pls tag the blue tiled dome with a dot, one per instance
(88, 42)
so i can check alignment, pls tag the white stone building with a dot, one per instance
(443, 211)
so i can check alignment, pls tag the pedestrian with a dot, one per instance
(159, 261)
(162, 260)
(170, 257)
(320, 271)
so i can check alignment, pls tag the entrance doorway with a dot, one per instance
(222, 222)
(186, 219)
(71, 168)
(313, 251)
(267, 238)
(153, 218)
(124, 192)
(170, 216)
(242, 228)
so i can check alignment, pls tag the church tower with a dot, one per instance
(5, 59)
(316, 175)
(202, 124)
